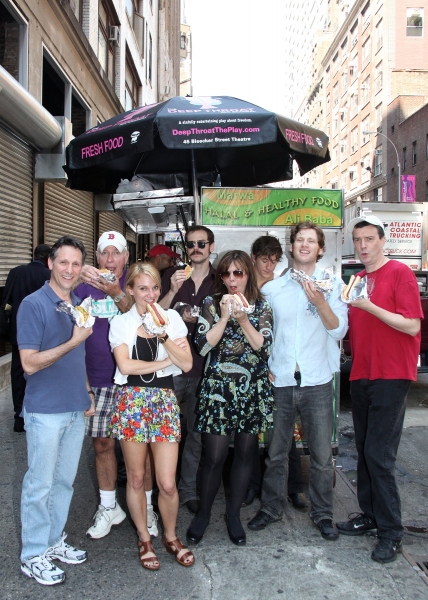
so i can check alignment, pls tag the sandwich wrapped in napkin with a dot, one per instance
(242, 303)
(81, 315)
(324, 285)
(155, 319)
(356, 289)
(107, 275)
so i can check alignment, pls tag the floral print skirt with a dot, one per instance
(146, 414)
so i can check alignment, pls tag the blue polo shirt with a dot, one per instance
(62, 386)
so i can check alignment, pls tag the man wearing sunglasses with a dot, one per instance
(308, 324)
(199, 243)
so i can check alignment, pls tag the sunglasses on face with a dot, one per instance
(237, 274)
(201, 244)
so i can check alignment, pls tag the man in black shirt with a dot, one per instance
(177, 288)
(21, 282)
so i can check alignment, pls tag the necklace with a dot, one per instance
(154, 357)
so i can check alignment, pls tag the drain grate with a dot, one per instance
(419, 564)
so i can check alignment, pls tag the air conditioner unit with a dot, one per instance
(113, 34)
(378, 152)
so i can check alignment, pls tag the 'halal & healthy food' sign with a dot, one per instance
(257, 207)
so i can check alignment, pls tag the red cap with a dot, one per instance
(162, 249)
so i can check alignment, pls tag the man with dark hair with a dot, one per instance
(57, 397)
(385, 341)
(21, 282)
(176, 287)
(308, 324)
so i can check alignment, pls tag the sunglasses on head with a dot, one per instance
(200, 244)
(237, 274)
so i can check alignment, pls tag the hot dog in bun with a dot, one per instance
(241, 299)
(346, 292)
(159, 316)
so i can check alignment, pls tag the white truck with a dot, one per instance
(405, 230)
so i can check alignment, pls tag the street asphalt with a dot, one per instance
(289, 559)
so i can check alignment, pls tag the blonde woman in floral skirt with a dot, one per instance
(146, 408)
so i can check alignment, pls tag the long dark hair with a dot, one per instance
(242, 261)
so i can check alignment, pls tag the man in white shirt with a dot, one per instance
(308, 324)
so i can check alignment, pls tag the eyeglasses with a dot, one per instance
(236, 274)
(201, 244)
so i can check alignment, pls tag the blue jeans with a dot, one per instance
(315, 406)
(378, 409)
(54, 444)
(185, 390)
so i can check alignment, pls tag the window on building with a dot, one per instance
(354, 140)
(378, 117)
(354, 34)
(378, 160)
(334, 184)
(353, 68)
(365, 169)
(335, 62)
(183, 41)
(327, 77)
(132, 84)
(353, 175)
(335, 126)
(365, 53)
(379, 77)
(335, 156)
(149, 58)
(365, 91)
(365, 16)
(335, 93)
(379, 35)
(13, 43)
(61, 100)
(345, 81)
(344, 47)
(377, 194)
(344, 148)
(404, 159)
(415, 22)
(414, 156)
(327, 110)
(354, 104)
(131, 9)
(76, 7)
(343, 180)
(106, 22)
(365, 126)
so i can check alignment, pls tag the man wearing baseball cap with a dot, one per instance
(385, 339)
(162, 257)
(108, 300)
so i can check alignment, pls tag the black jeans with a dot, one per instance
(378, 409)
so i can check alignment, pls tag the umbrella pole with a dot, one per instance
(195, 190)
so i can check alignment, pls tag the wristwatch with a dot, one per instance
(117, 299)
(163, 339)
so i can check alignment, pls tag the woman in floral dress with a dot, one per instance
(235, 395)
(146, 408)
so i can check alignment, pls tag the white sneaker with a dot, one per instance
(42, 570)
(152, 521)
(104, 519)
(66, 553)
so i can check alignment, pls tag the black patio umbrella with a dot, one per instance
(183, 140)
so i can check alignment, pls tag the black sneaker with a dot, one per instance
(358, 525)
(386, 550)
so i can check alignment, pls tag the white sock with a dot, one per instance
(108, 498)
(149, 497)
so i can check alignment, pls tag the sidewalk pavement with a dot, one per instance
(289, 559)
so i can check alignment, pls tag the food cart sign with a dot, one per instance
(261, 207)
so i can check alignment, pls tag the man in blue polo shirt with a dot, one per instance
(57, 397)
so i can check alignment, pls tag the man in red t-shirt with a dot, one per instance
(385, 341)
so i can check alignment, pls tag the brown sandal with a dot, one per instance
(151, 563)
(175, 548)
